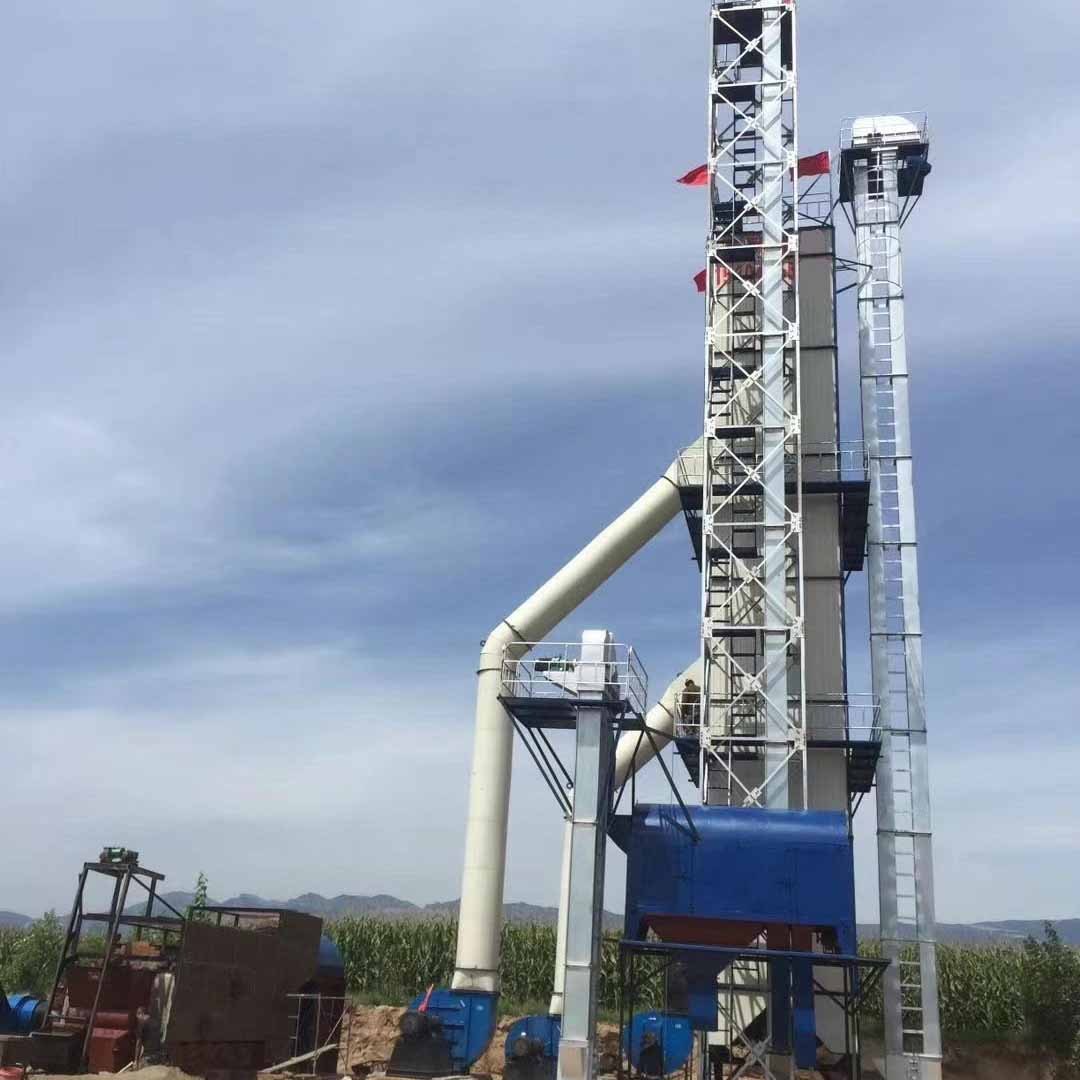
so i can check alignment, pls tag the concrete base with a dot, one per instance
(574, 1060)
(900, 1067)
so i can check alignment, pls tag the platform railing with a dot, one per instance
(816, 207)
(849, 718)
(688, 714)
(846, 718)
(550, 670)
(918, 118)
(846, 460)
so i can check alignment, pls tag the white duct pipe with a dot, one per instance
(480, 915)
(632, 752)
(556, 1006)
(634, 749)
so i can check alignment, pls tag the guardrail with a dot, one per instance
(554, 670)
(917, 119)
(846, 460)
(841, 718)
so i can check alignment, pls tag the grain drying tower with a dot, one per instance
(739, 935)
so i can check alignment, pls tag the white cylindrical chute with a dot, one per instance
(634, 749)
(556, 1006)
(480, 915)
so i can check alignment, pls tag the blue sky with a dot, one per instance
(330, 332)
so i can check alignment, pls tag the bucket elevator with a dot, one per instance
(739, 953)
(883, 168)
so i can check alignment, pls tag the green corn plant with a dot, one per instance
(392, 960)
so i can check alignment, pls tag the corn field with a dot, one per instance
(391, 961)
(979, 989)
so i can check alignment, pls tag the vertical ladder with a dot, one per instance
(905, 867)
(752, 590)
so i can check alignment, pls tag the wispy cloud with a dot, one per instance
(329, 336)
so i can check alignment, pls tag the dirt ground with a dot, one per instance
(973, 1061)
(373, 1030)
(976, 1062)
(151, 1072)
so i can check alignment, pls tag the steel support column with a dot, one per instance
(753, 694)
(593, 760)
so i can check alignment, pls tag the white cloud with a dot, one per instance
(95, 511)
(182, 342)
(311, 741)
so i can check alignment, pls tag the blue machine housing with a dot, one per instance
(541, 1033)
(715, 887)
(748, 866)
(468, 1021)
(658, 1043)
(20, 1014)
(532, 1048)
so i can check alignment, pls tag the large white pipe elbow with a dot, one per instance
(480, 915)
(634, 748)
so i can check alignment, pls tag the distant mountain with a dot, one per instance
(533, 913)
(312, 903)
(178, 900)
(1014, 930)
(514, 913)
(334, 907)
(338, 906)
(1004, 932)
(382, 905)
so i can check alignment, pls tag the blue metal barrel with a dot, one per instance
(25, 1013)
(658, 1043)
(331, 962)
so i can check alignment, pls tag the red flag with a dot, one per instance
(698, 177)
(815, 165)
(722, 278)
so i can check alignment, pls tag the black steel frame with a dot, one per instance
(861, 976)
(124, 874)
(531, 716)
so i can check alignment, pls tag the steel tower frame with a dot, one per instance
(883, 172)
(754, 693)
